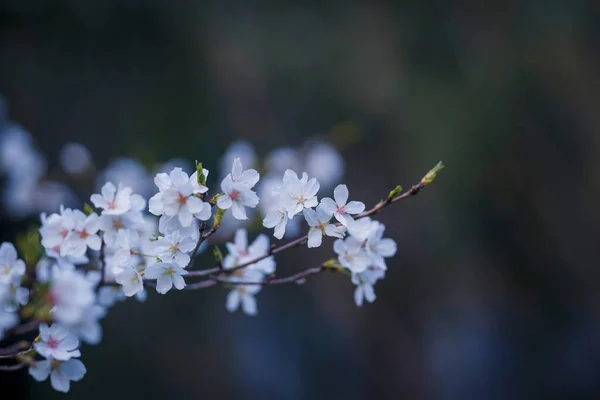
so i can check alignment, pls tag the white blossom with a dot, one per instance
(277, 219)
(115, 201)
(240, 253)
(244, 294)
(89, 329)
(340, 208)
(61, 372)
(379, 248)
(167, 275)
(297, 194)
(131, 280)
(75, 158)
(351, 254)
(325, 163)
(70, 295)
(10, 266)
(319, 225)
(364, 282)
(174, 248)
(362, 228)
(237, 190)
(55, 228)
(12, 295)
(57, 342)
(83, 235)
(178, 196)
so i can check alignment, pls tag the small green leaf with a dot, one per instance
(87, 209)
(218, 255)
(394, 193)
(201, 176)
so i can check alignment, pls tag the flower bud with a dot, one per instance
(427, 179)
(218, 255)
(394, 192)
(201, 177)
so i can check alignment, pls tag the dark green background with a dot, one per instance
(494, 291)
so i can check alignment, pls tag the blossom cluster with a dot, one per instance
(121, 244)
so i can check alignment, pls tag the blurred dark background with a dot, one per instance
(494, 291)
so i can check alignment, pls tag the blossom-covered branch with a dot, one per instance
(121, 244)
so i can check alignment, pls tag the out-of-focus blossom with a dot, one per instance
(75, 158)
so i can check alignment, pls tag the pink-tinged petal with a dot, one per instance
(311, 216)
(249, 305)
(138, 203)
(156, 204)
(334, 231)
(328, 205)
(358, 296)
(315, 237)
(178, 282)
(108, 191)
(250, 177)
(340, 194)
(74, 369)
(387, 247)
(162, 181)
(185, 217)
(238, 211)
(99, 201)
(93, 242)
(240, 240)
(236, 169)
(233, 301)
(40, 370)
(178, 177)
(355, 207)
(224, 202)
(164, 284)
(153, 271)
(194, 204)
(60, 382)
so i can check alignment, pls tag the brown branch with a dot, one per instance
(303, 239)
(15, 367)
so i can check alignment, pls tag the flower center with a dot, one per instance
(64, 232)
(134, 278)
(173, 248)
(182, 199)
(83, 234)
(340, 210)
(53, 343)
(117, 224)
(234, 195)
(112, 205)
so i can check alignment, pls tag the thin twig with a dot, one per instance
(15, 367)
(303, 239)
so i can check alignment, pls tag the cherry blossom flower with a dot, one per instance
(89, 329)
(115, 201)
(364, 282)
(10, 266)
(57, 342)
(240, 253)
(379, 248)
(174, 248)
(244, 294)
(298, 194)
(131, 280)
(340, 208)
(351, 254)
(55, 228)
(70, 295)
(61, 372)
(83, 235)
(167, 275)
(178, 196)
(319, 225)
(12, 296)
(237, 193)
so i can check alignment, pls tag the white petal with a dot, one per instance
(163, 284)
(60, 382)
(315, 237)
(387, 247)
(249, 305)
(358, 296)
(224, 202)
(311, 216)
(236, 169)
(355, 207)
(74, 369)
(156, 204)
(108, 191)
(162, 181)
(178, 281)
(40, 371)
(328, 205)
(238, 211)
(233, 301)
(340, 194)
